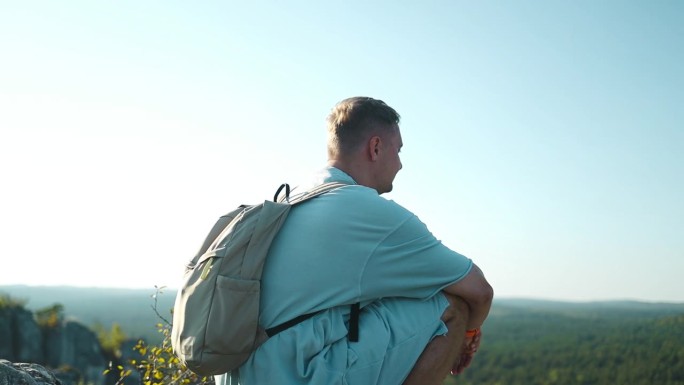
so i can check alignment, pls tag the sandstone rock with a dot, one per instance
(74, 345)
(25, 374)
(67, 353)
(29, 338)
(6, 335)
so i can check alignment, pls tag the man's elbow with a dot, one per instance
(486, 293)
(483, 292)
(473, 289)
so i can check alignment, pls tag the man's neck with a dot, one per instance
(355, 170)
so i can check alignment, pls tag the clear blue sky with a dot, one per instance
(543, 139)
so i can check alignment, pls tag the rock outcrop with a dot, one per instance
(26, 374)
(67, 350)
(20, 336)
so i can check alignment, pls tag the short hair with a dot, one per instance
(352, 120)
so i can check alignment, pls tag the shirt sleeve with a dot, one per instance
(410, 262)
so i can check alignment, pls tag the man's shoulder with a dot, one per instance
(366, 200)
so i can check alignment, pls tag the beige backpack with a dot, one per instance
(215, 317)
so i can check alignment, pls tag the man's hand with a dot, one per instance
(470, 345)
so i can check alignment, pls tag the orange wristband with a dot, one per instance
(472, 333)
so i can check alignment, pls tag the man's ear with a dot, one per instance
(374, 148)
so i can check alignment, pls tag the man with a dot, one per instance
(422, 304)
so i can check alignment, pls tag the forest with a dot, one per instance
(612, 343)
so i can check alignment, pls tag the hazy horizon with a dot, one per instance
(171, 292)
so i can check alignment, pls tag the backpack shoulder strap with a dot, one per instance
(316, 191)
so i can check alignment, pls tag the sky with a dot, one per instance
(542, 139)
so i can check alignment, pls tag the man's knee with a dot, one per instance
(458, 309)
(443, 352)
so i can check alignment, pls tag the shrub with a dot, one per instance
(7, 302)
(160, 366)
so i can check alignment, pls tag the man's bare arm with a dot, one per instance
(477, 293)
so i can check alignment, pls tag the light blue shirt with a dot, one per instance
(346, 246)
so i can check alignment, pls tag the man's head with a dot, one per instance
(364, 141)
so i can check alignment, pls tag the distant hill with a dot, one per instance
(593, 309)
(132, 308)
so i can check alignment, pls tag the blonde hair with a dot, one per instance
(352, 120)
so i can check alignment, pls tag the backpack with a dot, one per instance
(216, 312)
